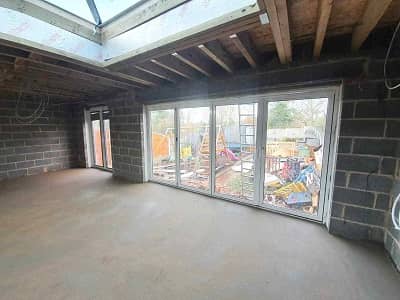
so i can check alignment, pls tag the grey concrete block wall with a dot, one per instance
(126, 129)
(366, 161)
(48, 144)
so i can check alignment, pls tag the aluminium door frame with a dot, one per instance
(328, 136)
(333, 93)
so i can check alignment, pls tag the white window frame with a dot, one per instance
(333, 93)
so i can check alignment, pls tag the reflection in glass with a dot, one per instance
(194, 147)
(96, 131)
(235, 150)
(163, 144)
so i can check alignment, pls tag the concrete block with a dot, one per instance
(357, 163)
(364, 215)
(355, 231)
(340, 178)
(382, 201)
(344, 145)
(393, 129)
(376, 147)
(367, 128)
(354, 197)
(371, 182)
(364, 90)
(388, 166)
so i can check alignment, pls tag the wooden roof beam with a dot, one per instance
(217, 53)
(108, 76)
(243, 42)
(175, 65)
(374, 10)
(135, 72)
(116, 77)
(324, 13)
(279, 20)
(160, 72)
(194, 60)
(74, 74)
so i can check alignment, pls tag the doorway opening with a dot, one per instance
(99, 137)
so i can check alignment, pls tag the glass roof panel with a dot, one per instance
(76, 7)
(110, 8)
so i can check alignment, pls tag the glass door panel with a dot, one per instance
(163, 145)
(194, 147)
(294, 155)
(107, 138)
(235, 149)
(97, 138)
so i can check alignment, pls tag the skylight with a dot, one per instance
(67, 28)
(106, 9)
(79, 8)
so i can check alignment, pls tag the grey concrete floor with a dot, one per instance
(79, 234)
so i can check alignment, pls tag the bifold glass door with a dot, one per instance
(163, 145)
(294, 155)
(101, 140)
(194, 148)
(235, 150)
(272, 151)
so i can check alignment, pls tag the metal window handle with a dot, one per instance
(396, 223)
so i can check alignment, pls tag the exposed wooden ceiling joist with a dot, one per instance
(373, 12)
(102, 74)
(52, 14)
(18, 50)
(278, 16)
(244, 43)
(149, 78)
(160, 72)
(175, 65)
(324, 13)
(195, 60)
(74, 74)
(217, 53)
(212, 30)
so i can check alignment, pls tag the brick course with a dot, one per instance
(48, 144)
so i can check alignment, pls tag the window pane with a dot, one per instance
(109, 8)
(79, 8)
(235, 150)
(294, 151)
(194, 147)
(163, 144)
(107, 138)
(98, 153)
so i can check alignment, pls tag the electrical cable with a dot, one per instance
(396, 223)
(387, 84)
(36, 114)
